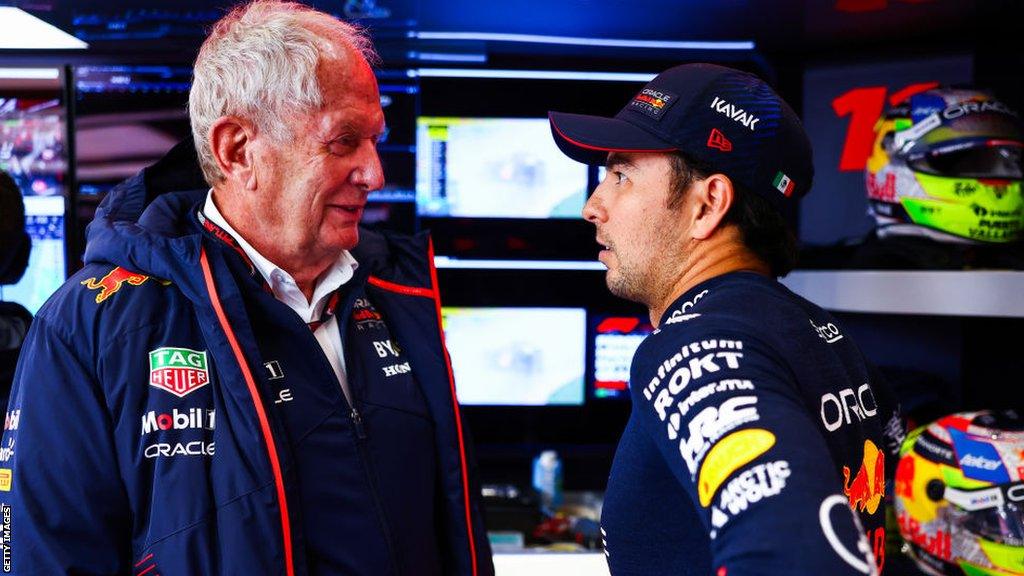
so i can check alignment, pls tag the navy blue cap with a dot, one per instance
(729, 119)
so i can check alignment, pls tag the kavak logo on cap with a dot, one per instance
(736, 113)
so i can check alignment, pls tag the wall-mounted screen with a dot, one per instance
(495, 168)
(616, 339)
(517, 356)
(33, 150)
(44, 221)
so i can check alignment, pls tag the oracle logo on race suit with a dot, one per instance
(170, 450)
(836, 410)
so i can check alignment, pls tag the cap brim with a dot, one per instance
(589, 139)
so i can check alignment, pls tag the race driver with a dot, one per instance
(757, 425)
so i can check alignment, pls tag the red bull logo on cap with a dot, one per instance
(112, 282)
(866, 489)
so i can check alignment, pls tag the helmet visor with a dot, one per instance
(979, 161)
(995, 514)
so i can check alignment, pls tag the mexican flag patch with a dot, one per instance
(783, 184)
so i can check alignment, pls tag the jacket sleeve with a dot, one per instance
(727, 420)
(64, 505)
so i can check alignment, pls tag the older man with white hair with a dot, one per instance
(240, 380)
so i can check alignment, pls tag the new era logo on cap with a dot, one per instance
(718, 141)
(783, 184)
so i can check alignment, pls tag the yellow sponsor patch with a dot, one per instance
(6, 476)
(727, 456)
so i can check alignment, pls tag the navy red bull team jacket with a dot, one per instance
(170, 416)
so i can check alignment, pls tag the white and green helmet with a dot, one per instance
(946, 163)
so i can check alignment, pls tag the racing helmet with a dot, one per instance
(959, 495)
(946, 164)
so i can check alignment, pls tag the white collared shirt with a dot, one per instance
(281, 283)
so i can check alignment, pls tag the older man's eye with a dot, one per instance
(342, 146)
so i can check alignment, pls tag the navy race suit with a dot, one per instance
(170, 416)
(756, 426)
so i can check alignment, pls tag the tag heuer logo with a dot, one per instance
(179, 371)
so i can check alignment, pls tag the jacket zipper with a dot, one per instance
(362, 436)
(358, 421)
(261, 413)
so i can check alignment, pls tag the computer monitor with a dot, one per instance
(127, 117)
(616, 339)
(517, 356)
(33, 150)
(44, 221)
(495, 168)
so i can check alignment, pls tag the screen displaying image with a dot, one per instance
(33, 151)
(517, 356)
(44, 221)
(495, 168)
(127, 118)
(616, 339)
(32, 144)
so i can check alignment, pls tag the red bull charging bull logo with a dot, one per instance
(866, 489)
(112, 282)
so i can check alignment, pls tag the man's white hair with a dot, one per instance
(260, 63)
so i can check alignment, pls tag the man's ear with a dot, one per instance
(713, 197)
(232, 143)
